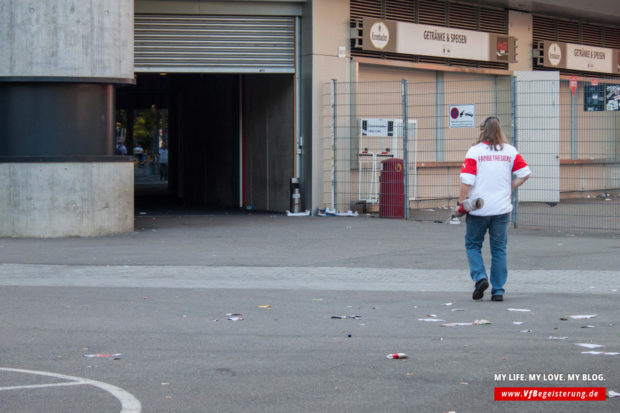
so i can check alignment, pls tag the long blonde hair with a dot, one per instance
(491, 132)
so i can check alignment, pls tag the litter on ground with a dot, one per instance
(588, 345)
(327, 212)
(582, 317)
(473, 323)
(520, 310)
(115, 356)
(297, 214)
(605, 353)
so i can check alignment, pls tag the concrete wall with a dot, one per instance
(64, 199)
(67, 38)
(330, 31)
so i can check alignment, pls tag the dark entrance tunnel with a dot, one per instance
(230, 140)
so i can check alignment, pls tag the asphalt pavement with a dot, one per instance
(151, 310)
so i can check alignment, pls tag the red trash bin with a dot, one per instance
(392, 189)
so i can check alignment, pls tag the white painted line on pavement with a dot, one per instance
(129, 404)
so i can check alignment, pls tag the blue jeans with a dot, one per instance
(477, 226)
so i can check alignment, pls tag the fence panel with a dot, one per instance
(570, 143)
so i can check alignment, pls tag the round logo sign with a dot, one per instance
(554, 54)
(379, 35)
(454, 113)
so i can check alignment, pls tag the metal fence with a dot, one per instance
(568, 135)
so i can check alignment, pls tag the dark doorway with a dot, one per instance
(230, 139)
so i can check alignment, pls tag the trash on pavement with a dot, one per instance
(473, 323)
(457, 309)
(317, 299)
(267, 307)
(115, 356)
(430, 320)
(557, 338)
(581, 317)
(605, 353)
(447, 304)
(397, 356)
(235, 316)
(518, 323)
(588, 326)
(520, 310)
(526, 331)
(456, 324)
(297, 214)
(327, 212)
(482, 322)
(343, 317)
(588, 345)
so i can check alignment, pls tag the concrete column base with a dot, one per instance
(66, 199)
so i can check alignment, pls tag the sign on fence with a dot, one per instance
(462, 116)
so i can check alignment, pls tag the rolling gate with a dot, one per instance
(229, 83)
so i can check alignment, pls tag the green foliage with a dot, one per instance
(146, 127)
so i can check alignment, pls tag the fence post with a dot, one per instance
(333, 143)
(513, 116)
(405, 151)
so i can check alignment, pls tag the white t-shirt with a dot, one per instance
(490, 174)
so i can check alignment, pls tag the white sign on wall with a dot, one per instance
(375, 127)
(442, 41)
(588, 58)
(462, 116)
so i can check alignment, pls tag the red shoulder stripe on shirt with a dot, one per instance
(469, 166)
(518, 163)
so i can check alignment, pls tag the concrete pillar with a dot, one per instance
(322, 62)
(520, 27)
(60, 62)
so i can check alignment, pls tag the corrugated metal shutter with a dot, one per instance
(214, 44)
(463, 16)
(611, 37)
(543, 28)
(493, 21)
(568, 31)
(432, 12)
(400, 10)
(591, 35)
(365, 8)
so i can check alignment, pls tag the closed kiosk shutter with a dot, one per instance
(214, 44)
